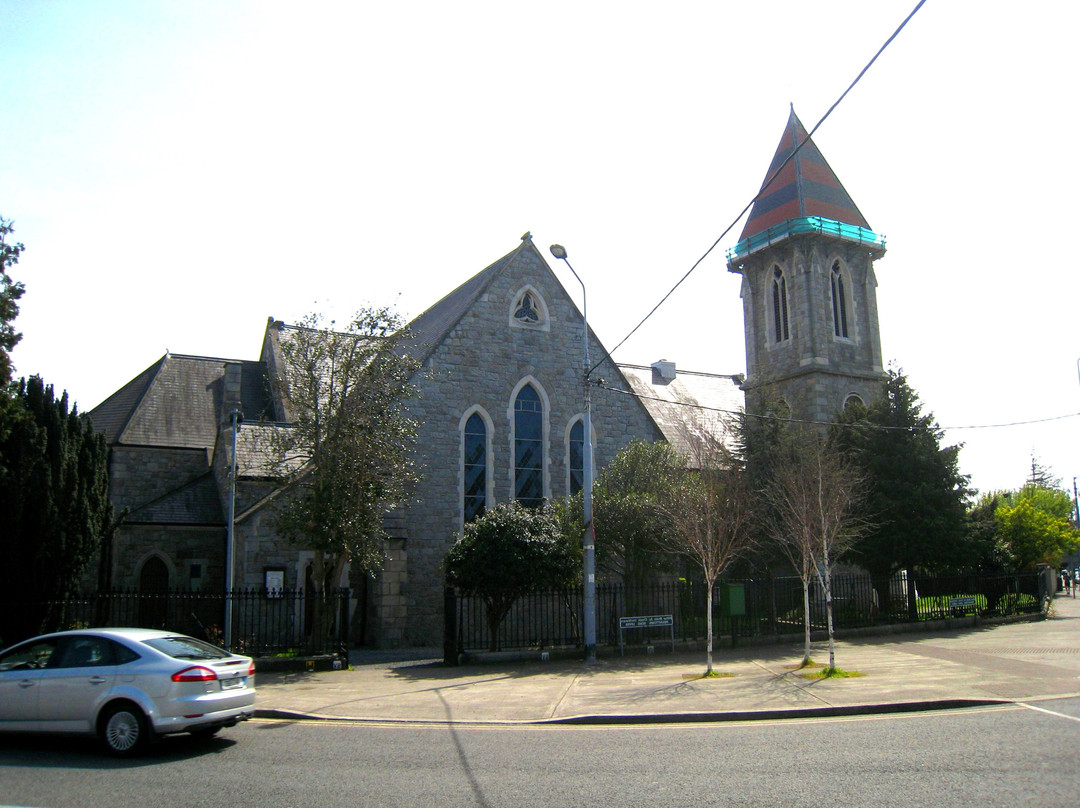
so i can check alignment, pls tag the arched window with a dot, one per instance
(853, 400)
(576, 457)
(529, 448)
(839, 302)
(781, 331)
(475, 448)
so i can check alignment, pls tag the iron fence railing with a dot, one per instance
(266, 622)
(767, 606)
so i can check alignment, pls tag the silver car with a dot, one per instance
(126, 685)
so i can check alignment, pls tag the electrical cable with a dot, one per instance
(882, 427)
(768, 182)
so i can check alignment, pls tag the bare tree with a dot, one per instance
(711, 509)
(813, 517)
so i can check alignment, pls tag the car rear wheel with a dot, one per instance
(124, 730)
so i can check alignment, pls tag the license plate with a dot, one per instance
(230, 684)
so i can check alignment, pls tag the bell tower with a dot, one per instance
(806, 256)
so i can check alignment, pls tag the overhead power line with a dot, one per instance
(764, 187)
(882, 427)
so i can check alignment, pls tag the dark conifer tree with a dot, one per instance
(916, 496)
(55, 512)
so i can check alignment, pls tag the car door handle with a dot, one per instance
(27, 683)
(98, 680)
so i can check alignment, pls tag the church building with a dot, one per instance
(500, 406)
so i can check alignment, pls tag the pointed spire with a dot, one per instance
(805, 186)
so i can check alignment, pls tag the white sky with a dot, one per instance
(179, 171)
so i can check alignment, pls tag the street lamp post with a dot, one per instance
(589, 539)
(230, 551)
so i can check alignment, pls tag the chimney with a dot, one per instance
(663, 371)
(230, 399)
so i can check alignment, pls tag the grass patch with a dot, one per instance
(832, 673)
(709, 675)
(806, 663)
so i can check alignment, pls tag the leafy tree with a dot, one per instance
(984, 550)
(1034, 526)
(346, 458)
(507, 552)
(814, 494)
(10, 292)
(629, 529)
(915, 492)
(55, 512)
(712, 511)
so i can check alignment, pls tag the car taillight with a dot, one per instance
(195, 674)
(251, 668)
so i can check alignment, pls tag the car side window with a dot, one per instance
(85, 652)
(121, 653)
(29, 656)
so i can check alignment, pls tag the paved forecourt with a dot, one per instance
(964, 666)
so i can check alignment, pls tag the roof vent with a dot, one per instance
(664, 369)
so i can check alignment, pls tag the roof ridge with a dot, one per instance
(150, 373)
(446, 313)
(171, 355)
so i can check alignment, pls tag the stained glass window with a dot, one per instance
(475, 449)
(529, 448)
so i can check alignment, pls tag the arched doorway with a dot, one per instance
(153, 593)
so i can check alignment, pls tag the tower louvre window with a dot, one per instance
(839, 302)
(781, 331)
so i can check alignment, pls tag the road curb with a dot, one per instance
(664, 718)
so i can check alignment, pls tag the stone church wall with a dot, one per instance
(480, 364)
(814, 371)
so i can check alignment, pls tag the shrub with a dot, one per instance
(936, 606)
(1016, 603)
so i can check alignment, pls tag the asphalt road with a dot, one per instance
(1000, 756)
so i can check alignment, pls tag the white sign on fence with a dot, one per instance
(646, 621)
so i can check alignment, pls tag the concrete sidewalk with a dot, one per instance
(991, 663)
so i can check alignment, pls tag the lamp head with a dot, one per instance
(559, 251)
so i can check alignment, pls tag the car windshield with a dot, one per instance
(187, 648)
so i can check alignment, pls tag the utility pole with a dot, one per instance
(589, 539)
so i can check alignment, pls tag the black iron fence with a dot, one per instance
(265, 622)
(767, 606)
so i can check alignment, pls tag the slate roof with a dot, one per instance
(193, 503)
(806, 186)
(254, 444)
(690, 403)
(279, 336)
(176, 403)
